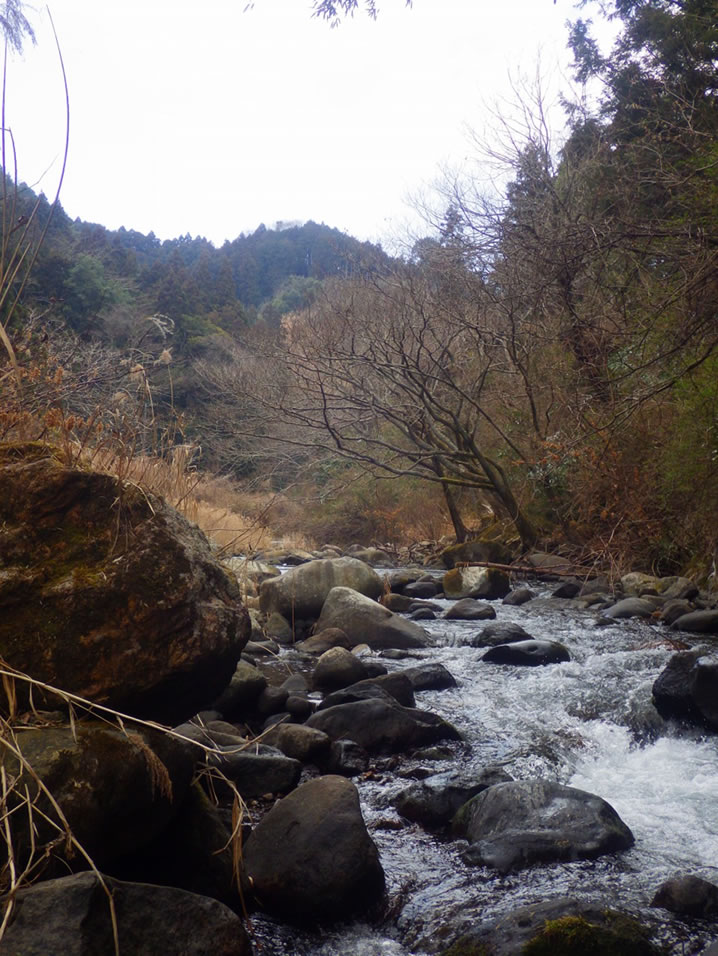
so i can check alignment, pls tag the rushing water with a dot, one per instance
(588, 723)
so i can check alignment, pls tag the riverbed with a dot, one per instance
(588, 723)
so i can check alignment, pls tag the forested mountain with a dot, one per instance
(93, 278)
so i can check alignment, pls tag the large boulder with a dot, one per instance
(72, 916)
(688, 896)
(336, 668)
(366, 622)
(108, 592)
(377, 724)
(397, 685)
(698, 622)
(687, 689)
(500, 632)
(116, 790)
(512, 825)
(487, 583)
(434, 801)
(311, 857)
(301, 592)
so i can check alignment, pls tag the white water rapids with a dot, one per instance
(589, 723)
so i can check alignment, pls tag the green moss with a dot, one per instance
(576, 936)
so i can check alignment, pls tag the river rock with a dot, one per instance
(324, 640)
(469, 609)
(336, 668)
(117, 790)
(110, 593)
(421, 589)
(501, 632)
(381, 725)
(687, 689)
(567, 589)
(311, 857)
(558, 928)
(397, 685)
(674, 609)
(242, 693)
(422, 613)
(289, 557)
(71, 915)
(547, 565)
(376, 557)
(434, 801)
(487, 583)
(301, 592)
(431, 676)
(302, 743)
(519, 596)
(367, 622)
(688, 896)
(698, 622)
(527, 653)
(399, 603)
(512, 825)
(637, 583)
(256, 774)
(397, 580)
(630, 607)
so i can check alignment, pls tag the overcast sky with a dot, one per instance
(209, 119)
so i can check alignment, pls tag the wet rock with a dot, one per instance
(399, 603)
(367, 622)
(336, 668)
(568, 589)
(487, 583)
(421, 589)
(687, 689)
(397, 580)
(432, 676)
(347, 758)
(422, 614)
(512, 825)
(433, 802)
(672, 610)
(396, 685)
(469, 609)
(527, 653)
(109, 593)
(328, 867)
(379, 725)
(688, 896)
(71, 915)
(301, 592)
(562, 927)
(519, 596)
(698, 622)
(502, 632)
(271, 701)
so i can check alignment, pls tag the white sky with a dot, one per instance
(203, 118)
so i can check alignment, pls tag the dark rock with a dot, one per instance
(328, 867)
(117, 790)
(422, 614)
(109, 593)
(502, 632)
(434, 801)
(519, 596)
(421, 589)
(299, 742)
(271, 701)
(378, 725)
(512, 825)
(347, 758)
(398, 580)
(399, 603)
(469, 609)
(299, 707)
(698, 622)
(672, 610)
(241, 694)
(71, 915)
(688, 896)
(432, 676)
(527, 653)
(568, 589)
(396, 685)
(257, 774)
(338, 667)
(687, 689)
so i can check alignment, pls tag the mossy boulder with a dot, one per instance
(487, 583)
(107, 592)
